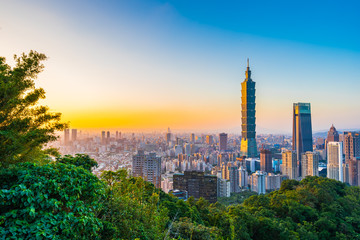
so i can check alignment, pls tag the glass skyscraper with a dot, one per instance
(302, 131)
(248, 133)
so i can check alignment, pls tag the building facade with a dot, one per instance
(223, 142)
(197, 184)
(266, 161)
(147, 166)
(289, 165)
(257, 182)
(310, 164)
(248, 126)
(302, 131)
(335, 161)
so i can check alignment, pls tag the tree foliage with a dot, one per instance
(79, 160)
(52, 201)
(25, 126)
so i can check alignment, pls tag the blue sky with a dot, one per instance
(184, 60)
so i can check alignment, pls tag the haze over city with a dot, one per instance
(155, 64)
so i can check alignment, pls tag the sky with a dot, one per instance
(179, 64)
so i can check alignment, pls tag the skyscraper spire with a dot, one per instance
(247, 72)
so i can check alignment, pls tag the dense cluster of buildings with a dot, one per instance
(212, 166)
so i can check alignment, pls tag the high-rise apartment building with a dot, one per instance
(232, 174)
(197, 184)
(168, 136)
(73, 135)
(192, 138)
(248, 133)
(210, 139)
(266, 161)
(273, 182)
(335, 161)
(148, 167)
(310, 164)
(223, 187)
(289, 165)
(223, 142)
(351, 144)
(103, 139)
(66, 136)
(302, 131)
(243, 178)
(354, 171)
(257, 182)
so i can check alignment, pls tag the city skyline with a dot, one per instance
(154, 64)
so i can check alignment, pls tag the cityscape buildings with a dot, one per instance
(147, 167)
(73, 134)
(335, 161)
(179, 163)
(266, 160)
(66, 136)
(197, 184)
(289, 164)
(310, 164)
(248, 140)
(257, 182)
(223, 141)
(302, 131)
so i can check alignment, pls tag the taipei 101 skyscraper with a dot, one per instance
(248, 133)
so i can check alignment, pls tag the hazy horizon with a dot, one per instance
(179, 64)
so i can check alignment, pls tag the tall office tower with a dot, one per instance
(232, 174)
(351, 150)
(148, 167)
(210, 139)
(310, 164)
(257, 182)
(335, 161)
(73, 135)
(103, 139)
(192, 138)
(168, 136)
(108, 135)
(289, 165)
(354, 171)
(117, 135)
(197, 184)
(302, 132)
(243, 178)
(333, 135)
(66, 136)
(248, 138)
(223, 141)
(266, 161)
(351, 145)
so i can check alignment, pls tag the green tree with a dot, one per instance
(51, 201)
(132, 206)
(80, 160)
(25, 126)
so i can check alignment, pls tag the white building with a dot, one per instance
(223, 186)
(257, 182)
(335, 161)
(273, 182)
(243, 178)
